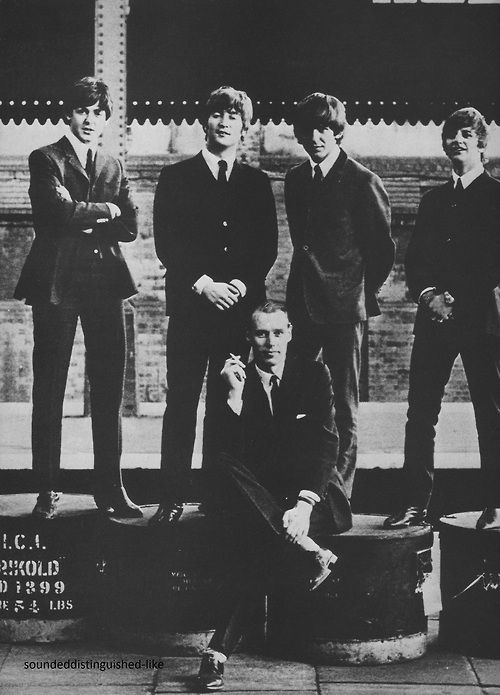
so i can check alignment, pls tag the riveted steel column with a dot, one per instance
(111, 66)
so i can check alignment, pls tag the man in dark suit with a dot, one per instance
(277, 480)
(339, 219)
(215, 232)
(81, 209)
(453, 273)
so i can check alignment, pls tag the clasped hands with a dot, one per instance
(440, 306)
(221, 294)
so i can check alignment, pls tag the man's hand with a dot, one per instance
(221, 294)
(234, 373)
(296, 521)
(440, 305)
(441, 310)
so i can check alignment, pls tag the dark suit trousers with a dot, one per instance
(54, 329)
(251, 522)
(192, 344)
(341, 346)
(434, 351)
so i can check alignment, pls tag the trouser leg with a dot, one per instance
(104, 334)
(481, 361)
(260, 515)
(187, 355)
(228, 338)
(53, 335)
(342, 355)
(432, 358)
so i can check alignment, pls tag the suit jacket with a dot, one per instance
(456, 247)
(196, 233)
(343, 251)
(64, 203)
(296, 448)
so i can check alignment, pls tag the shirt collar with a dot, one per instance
(81, 148)
(328, 162)
(213, 162)
(469, 177)
(265, 377)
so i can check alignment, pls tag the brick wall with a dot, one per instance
(389, 338)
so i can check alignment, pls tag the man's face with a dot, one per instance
(463, 149)
(269, 337)
(317, 142)
(224, 130)
(87, 123)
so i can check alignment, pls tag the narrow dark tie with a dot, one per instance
(89, 166)
(318, 176)
(274, 381)
(459, 188)
(222, 178)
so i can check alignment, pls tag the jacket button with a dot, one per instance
(305, 247)
(224, 224)
(225, 249)
(96, 250)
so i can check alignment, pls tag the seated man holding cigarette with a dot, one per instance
(275, 479)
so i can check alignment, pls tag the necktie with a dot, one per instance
(274, 381)
(89, 166)
(459, 188)
(221, 178)
(318, 176)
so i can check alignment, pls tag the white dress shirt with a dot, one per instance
(327, 163)
(212, 162)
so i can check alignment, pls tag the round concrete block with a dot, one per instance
(370, 610)
(470, 586)
(160, 586)
(47, 569)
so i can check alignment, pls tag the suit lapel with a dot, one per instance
(71, 157)
(255, 398)
(100, 162)
(337, 170)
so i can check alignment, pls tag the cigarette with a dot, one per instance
(236, 357)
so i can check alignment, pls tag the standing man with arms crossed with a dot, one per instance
(81, 208)
(280, 493)
(215, 232)
(453, 273)
(339, 219)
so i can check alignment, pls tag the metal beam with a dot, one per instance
(110, 63)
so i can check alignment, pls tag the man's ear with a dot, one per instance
(290, 329)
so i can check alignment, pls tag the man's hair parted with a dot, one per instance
(225, 98)
(319, 110)
(87, 91)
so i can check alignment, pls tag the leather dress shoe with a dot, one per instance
(116, 502)
(210, 676)
(167, 514)
(489, 518)
(411, 516)
(324, 559)
(46, 505)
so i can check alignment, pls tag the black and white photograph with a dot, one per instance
(250, 347)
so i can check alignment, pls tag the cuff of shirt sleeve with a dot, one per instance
(309, 496)
(236, 405)
(201, 283)
(240, 286)
(114, 211)
(427, 289)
